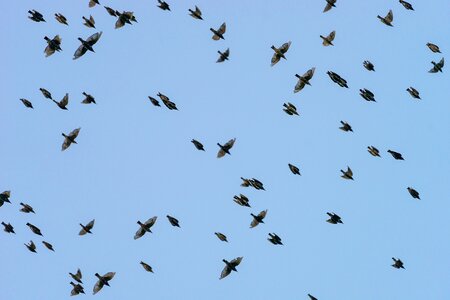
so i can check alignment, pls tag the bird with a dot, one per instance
(279, 53)
(146, 267)
(36, 16)
(413, 92)
(225, 149)
(52, 45)
(92, 3)
(169, 104)
(34, 229)
(368, 65)
(346, 127)
(61, 19)
(437, 67)
(258, 218)
(330, 4)
(90, 23)
(334, 218)
(295, 170)
(221, 236)
(230, 266)
(406, 5)
(328, 40)
(26, 208)
(88, 99)
(347, 174)
(125, 17)
(374, 151)
(111, 11)
(290, 109)
(223, 56)
(196, 14)
(77, 289)
(337, 79)
(102, 281)
(31, 246)
(8, 228)
(257, 184)
(198, 145)
(145, 227)
(396, 155)
(218, 34)
(4, 197)
(274, 239)
(154, 101)
(87, 45)
(245, 182)
(434, 48)
(173, 221)
(413, 193)
(311, 297)
(304, 80)
(242, 200)
(387, 20)
(86, 228)
(63, 103)
(77, 276)
(367, 95)
(26, 102)
(163, 5)
(70, 138)
(48, 245)
(398, 264)
(46, 93)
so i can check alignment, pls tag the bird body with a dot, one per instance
(26, 102)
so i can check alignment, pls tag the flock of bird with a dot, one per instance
(127, 17)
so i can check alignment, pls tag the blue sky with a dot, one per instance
(134, 161)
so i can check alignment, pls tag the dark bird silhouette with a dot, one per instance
(52, 45)
(242, 200)
(154, 101)
(198, 145)
(367, 95)
(396, 155)
(86, 228)
(34, 229)
(70, 138)
(334, 218)
(89, 23)
(88, 99)
(48, 246)
(406, 5)
(368, 65)
(223, 56)
(230, 266)
(330, 4)
(398, 264)
(337, 79)
(63, 103)
(163, 5)
(196, 14)
(125, 17)
(26, 208)
(374, 151)
(274, 239)
(145, 227)
(413, 92)
(36, 16)
(413, 193)
(4, 197)
(46, 93)
(303, 80)
(295, 170)
(77, 276)
(173, 221)
(347, 174)
(61, 19)
(92, 3)
(225, 149)
(218, 34)
(102, 281)
(257, 184)
(387, 19)
(26, 103)
(258, 218)
(146, 267)
(221, 236)
(279, 53)
(346, 127)
(328, 40)
(434, 48)
(31, 246)
(87, 45)
(290, 109)
(437, 67)
(169, 104)
(111, 12)
(311, 297)
(77, 289)
(8, 228)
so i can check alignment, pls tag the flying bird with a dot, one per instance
(346, 127)
(437, 67)
(257, 184)
(144, 227)
(221, 236)
(63, 103)
(303, 80)
(77, 289)
(26, 103)
(173, 221)
(230, 266)
(367, 95)
(406, 5)
(413, 193)
(36, 16)
(92, 3)
(398, 264)
(198, 145)
(413, 92)
(154, 101)
(34, 229)
(46, 93)
(102, 281)
(330, 4)
(52, 45)
(290, 109)
(90, 23)
(48, 246)
(279, 53)
(368, 65)
(295, 170)
(225, 149)
(196, 14)
(111, 12)
(124, 18)
(26, 208)
(347, 174)
(434, 48)
(334, 218)
(31, 246)
(77, 276)
(242, 200)
(311, 297)
(8, 228)
(163, 5)
(374, 151)
(61, 19)
(274, 239)
(169, 104)
(387, 19)
(223, 56)
(87, 45)
(88, 99)
(146, 267)
(396, 155)
(258, 218)
(218, 34)
(70, 138)
(4, 197)
(86, 228)
(337, 79)
(328, 40)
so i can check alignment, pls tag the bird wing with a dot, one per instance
(225, 272)
(150, 222)
(78, 274)
(119, 23)
(65, 100)
(235, 262)
(262, 214)
(48, 51)
(79, 52)
(98, 286)
(222, 28)
(67, 142)
(327, 7)
(229, 144)
(285, 47)
(197, 11)
(349, 171)
(254, 223)
(389, 17)
(441, 63)
(139, 233)
(90, 225)
(275, 59)
(331, 36)
(94, 38)
(108, 276)
(309, 74)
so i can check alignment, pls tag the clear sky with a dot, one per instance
(134, 161)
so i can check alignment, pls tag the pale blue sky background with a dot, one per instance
(134, 161)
